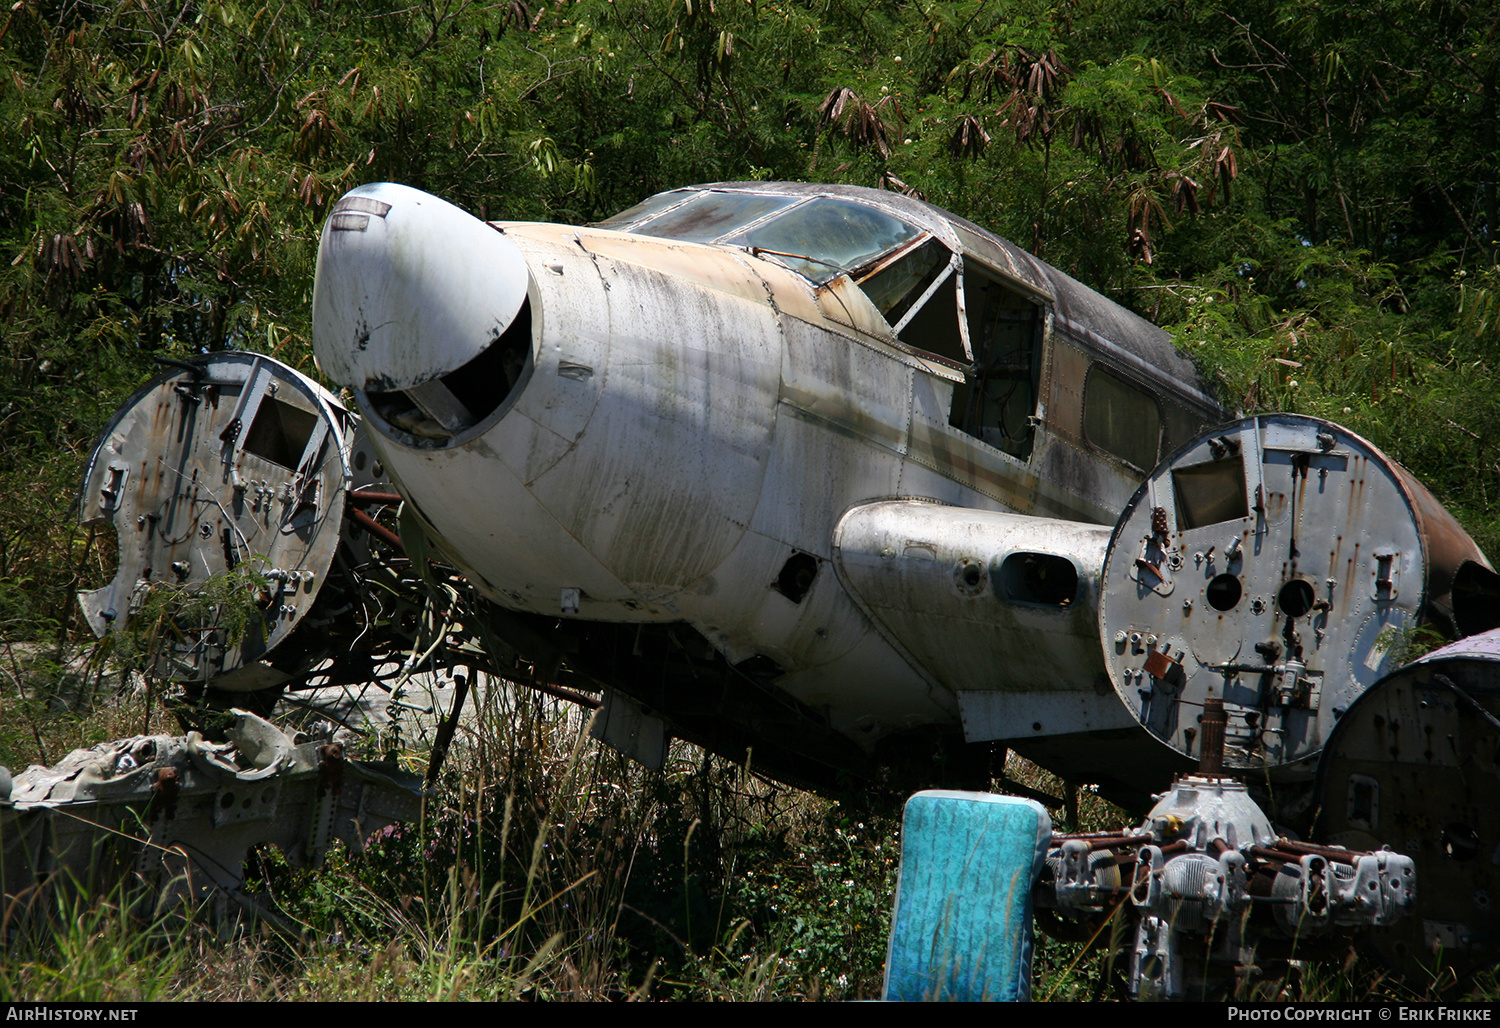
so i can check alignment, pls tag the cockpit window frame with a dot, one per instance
(786, 204)
(840, 268)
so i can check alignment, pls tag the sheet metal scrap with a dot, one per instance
(1415, 762)
(181, 812)
(235, 463)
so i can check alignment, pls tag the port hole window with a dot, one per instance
(1005, 335)
(1041, 578)
(1121, 418)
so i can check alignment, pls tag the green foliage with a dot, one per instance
(548, 867)
(1325, 174)
(166, 617)
(1305, 195)
(93, 950)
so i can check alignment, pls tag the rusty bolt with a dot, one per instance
(165, 785)
(331, 768)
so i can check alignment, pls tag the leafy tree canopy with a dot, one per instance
(1305, 194)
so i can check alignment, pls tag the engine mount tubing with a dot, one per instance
(374, 527)
(362, 497)
(1326, 852)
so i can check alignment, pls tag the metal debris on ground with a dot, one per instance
(182, 812)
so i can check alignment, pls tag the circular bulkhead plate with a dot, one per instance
(1274, 563)
(224, 482)
(1415, 765)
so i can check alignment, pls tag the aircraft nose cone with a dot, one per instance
(409, 288)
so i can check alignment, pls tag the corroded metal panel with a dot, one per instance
(180, 813)
(235, 464)
(1414, 764)
(677, 445)
(1274, 563)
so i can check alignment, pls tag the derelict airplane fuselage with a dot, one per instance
(866, 460)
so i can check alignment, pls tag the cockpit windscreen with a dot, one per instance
(819, 237)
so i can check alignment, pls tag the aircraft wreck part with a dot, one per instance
(1023, 592)
(686, 372)
(630, 466)
(1274, 563)
(1414, 763)
(236, 465)
(413, 289)
(1211, 889)
(180, 813)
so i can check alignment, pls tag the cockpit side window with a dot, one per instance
(916, 291)
(895, 284)
(826, 237)
(934, 325)
(1005, 335)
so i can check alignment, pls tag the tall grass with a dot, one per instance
(545, 866)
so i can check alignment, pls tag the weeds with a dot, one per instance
(93, 950)
(548, 867)
(545, 866)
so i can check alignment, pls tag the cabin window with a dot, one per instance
(1121, 418)
(934, 326)
(820, 238)
(1005, 330)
